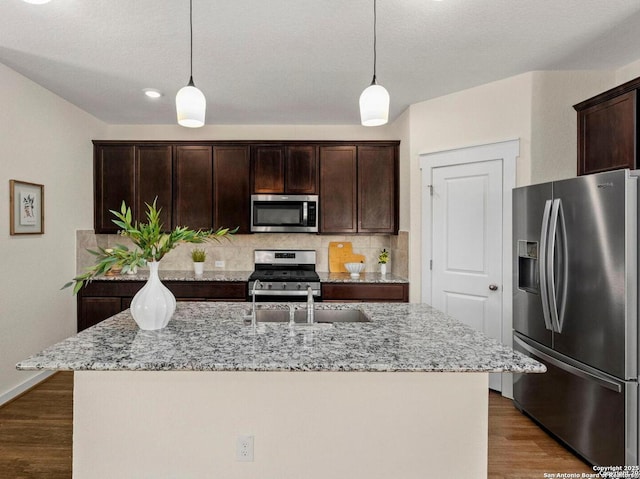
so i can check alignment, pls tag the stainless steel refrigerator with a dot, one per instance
(575, 310)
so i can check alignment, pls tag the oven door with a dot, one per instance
(284, 213)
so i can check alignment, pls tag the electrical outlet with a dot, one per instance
(219, 264)
(244, 449)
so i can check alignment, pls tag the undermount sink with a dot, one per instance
(320, 316)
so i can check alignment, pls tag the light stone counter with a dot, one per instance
(180, 275)
(214, 337)
(185, 275)
(363, 278)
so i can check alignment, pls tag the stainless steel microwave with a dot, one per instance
(284, 213)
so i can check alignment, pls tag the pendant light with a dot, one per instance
(191, 104)
(374, 100)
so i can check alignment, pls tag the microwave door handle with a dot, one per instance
(542, 262)
(305, 212)
(551, 264)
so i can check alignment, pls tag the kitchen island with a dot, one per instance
(404, 395)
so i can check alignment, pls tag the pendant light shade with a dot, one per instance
(191, 105)
(374, 100)
(374, 105)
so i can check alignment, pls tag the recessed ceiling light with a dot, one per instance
(37, 2)
(152, 93)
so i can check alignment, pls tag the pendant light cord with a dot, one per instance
(191, 42)
(375, 41)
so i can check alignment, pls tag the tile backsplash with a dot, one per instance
(237, 252)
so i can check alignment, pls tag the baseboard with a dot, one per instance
(24, 387)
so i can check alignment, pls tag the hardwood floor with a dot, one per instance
(35, 431)
(35, 438)
(519, 449)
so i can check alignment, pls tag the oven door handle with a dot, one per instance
(262, 292)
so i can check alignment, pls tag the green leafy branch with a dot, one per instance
(152, 242)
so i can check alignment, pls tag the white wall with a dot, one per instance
(402, 128)
(489, 113)
(249, 132)
(45, 140)
(554, 123)
(626, 73)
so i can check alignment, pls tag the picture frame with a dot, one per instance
(26, 208)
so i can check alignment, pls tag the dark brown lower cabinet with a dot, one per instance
(93, 310)
(366, 292)
(100, 300)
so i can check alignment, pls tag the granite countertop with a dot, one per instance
(364, 278)
(180, 275)
(214, 337)
(184, 275)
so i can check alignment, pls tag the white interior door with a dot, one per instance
(467, 246)
(466, 238)
(467, 243)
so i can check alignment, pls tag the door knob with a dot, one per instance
(493, 287)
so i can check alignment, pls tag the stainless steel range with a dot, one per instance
(284, 275)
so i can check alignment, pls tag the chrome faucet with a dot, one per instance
(309, 305)
(254, 321)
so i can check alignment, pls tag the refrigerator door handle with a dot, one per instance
(556, 212)
(564, 262)
(542, 261)
(604, 382)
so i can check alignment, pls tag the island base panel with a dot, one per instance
(136, 424)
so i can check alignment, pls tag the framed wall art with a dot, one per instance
(26, 203)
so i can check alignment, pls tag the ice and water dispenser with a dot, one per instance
(528, 272)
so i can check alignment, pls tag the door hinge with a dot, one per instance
(430, 189)
(431, 264)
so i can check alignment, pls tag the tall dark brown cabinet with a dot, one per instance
(377, 189)
(338, 189)
(114, 182)
(154, 180)
(193, 187)
(231, 172)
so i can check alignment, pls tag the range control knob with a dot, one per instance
(269, 286)
(299, 286)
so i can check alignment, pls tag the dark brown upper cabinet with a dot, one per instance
(359, 189)
(338, 189)
(153, 180)
(285, 169)
(193, 187)
(231, 190)
(268, 169)
(607, 130)
(377, 190)
(113, 168)
(203, 184)
(301, 170)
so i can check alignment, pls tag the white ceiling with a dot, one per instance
(300, 61)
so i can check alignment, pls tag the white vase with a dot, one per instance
(153, 306)
(383, 269)
(198, 268)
